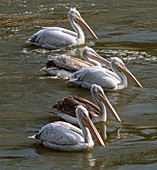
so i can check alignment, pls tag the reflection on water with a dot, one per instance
(125, 29)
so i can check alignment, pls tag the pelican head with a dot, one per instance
(75, 15)
(99, 94)
(91, 56)
(118, 63)
(84, 120)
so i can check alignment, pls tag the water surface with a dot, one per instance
(127, 29)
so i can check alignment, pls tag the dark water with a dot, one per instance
(127, 29)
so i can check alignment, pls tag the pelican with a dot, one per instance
(57, 37)
(104, 77)
(97, 113)
(67, 137)
(64, 66)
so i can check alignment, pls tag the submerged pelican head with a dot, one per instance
(93, 57)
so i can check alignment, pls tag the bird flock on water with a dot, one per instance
(76, 130)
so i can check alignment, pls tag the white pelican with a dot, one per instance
(64, 136)
(97, 113)
(64, 66)
(104, 77)
(57, 37)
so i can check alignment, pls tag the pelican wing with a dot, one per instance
(69, 103)
(66, 31)
(52, 38)
(67, 62)
(94, 75)
(91, 107)
(60, 134)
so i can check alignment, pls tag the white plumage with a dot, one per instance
(56, 37)
(108, 80)
(64, 136)
(64, 66)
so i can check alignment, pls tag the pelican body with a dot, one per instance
(104, 77)
(64, 66)
(67, 137)
(97, 113)
(57, 37)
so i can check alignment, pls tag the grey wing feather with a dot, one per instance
(72, 33)
(71, 127)
(52, 38)
(60, 134)
(94, 75)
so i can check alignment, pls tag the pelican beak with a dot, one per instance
(106, 101)
(129, 75)
(81, 20)
(100, 59)
(94, 132)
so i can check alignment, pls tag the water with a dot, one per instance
(126, 29)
